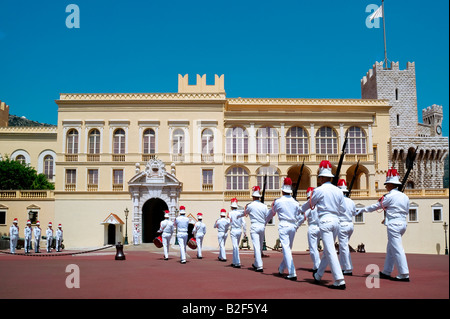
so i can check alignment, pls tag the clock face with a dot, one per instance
(438, 129)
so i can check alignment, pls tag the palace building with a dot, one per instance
(119, 160)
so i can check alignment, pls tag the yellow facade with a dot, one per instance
(215, 148)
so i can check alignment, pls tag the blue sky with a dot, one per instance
(267, 49)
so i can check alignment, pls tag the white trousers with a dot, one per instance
(37, 242)
(257, 235)
(27, 244)
(395, 255)
(182, 241)
(329, 229)
(235, 235)
(136, 240)
(199, 240)
(13, 243)
(166, 244)
(49, 244)
(345, 232)
(287, 234)
(58, 244)
(313, 241)
(222, 238)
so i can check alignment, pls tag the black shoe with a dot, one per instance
(259, 270)
(166, 258)
(183, 261)
(348, 273)
(199, 257)
(400, 279)
(291, 278)
(340, 287)
(254, 267)
(317, 282)
(384, 276)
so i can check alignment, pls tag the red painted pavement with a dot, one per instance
(144, 274)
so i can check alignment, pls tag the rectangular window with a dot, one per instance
(71, 176)
(2, 217)
(437, 214)
(412, 216)
(93, 176)
(207, 176)
(118, 176)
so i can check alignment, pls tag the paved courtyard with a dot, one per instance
(145, 275)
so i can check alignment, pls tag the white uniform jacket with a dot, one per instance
(327, 199)
(288, 210)
(395, 203)
(182, 224)
(166, 227)
(222, 224)
(257, 211)
(199, 229)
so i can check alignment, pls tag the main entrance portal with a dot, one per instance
(152, 215)
(153, 190)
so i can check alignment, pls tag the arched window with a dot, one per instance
(237, 179)
(21, 159)
(94, 142)
(273, 178)
(326, 141)
(48, 166)
(149, 141)
(178, 142)
(119, 141)
(237, 141)
(296, 141)
(267, 140)
(207, 142)
(72, 142)
(356, 142)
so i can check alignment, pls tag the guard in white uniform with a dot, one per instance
(199, 232)
(59, 238)
(28, 232)
(396, 206)
(258, 213)
(313, 232)
(222, 225)
(37, 237)
(13, 236)
(49, 235)
(136, 235)
(166, 228)
(289, 217)
(182, 224)
(329, 201)
(346, 231)
(238, 225)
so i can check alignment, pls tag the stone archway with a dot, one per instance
(152, 215)
(154, 182)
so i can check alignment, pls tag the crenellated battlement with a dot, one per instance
(378, 66)
(201, 86)
(432, 110)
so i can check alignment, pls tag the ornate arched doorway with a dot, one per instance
(152, 215)
(153, 191)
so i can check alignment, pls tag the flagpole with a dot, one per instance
(384, 34)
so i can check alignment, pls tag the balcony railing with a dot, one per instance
(117, 187)
(118, 157)
(93, 157)
(71, 157)
(207, 187)
(92, 187)
(26, 194)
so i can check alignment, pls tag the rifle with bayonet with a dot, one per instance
(294, 194)
(341, 159)
(409, 166)
(353, 180)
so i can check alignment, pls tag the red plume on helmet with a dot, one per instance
(325, 164)
(392, 177)
(287, 181)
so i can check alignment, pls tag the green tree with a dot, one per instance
(16, 176)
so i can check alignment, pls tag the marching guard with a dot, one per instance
(13, 236)
(289, 217)
(37, 237)
(238, 225)
(258, 213)
(166, 228)
(27, 235)
(329, 201)
(313, 232)
(199, 232)
(396, 206)
(182, 224)
(59, 238)
(346, 230)
(222, 225)
(49, 235)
